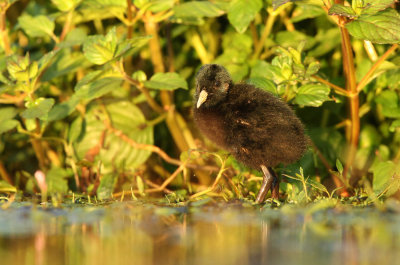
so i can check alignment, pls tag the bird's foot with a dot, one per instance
(270, 182)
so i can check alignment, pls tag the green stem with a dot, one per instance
(364, 81)
(267, 30)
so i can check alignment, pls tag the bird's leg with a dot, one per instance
(266, 184)
(275, 185)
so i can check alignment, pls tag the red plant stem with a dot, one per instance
(351, 87)
(67, 25)
(130, 19)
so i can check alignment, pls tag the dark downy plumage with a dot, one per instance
(257, 128)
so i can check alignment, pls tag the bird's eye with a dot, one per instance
(217, 83)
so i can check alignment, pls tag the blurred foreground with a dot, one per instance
(203, 233)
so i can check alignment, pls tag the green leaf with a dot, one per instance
(382, 27)
(64, 63)
(6, 187)
(18, 67)
(339, 166)
(100, 49)
(341, 10)
(395, 124)
(303, 12)
(62, 110)
(390, 103)
(129, 46)
(384, 175)
(76, 36)
(374, 6)
(197, 9)
(66, 5)
(56, 180)
(7, 113)
(263, 83)
(39, 26)
(38, 109)
(116, 153)
(98, 88)
(166, 81)
(7, 125)
(278, 3)
(140, 184)
(312, 95)
(106, 187)
(242, 12)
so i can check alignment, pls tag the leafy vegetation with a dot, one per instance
(96, 95)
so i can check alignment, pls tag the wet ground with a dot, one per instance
(202, 233)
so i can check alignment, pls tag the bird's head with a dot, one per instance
(212, 84)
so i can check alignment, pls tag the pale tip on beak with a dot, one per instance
(202, 98)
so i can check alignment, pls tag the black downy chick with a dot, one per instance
(257, 128)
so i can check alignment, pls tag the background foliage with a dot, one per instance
(96, 95)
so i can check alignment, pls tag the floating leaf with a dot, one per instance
(197, 9)
(312, 95)
(242, 12)
(38, 109)
(39, 26)
(166, 81)
(382, 27)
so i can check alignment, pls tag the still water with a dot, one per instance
(202, 233)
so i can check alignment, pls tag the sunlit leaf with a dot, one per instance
(374, 6)
(389, 101)
(341, 10)
(395, 125)
(100, 49)
(115, 151)
(312, 95)
(38, 109)
(197, 9)
(303, 12)
(263, 83)
(166, 81)
(382, 27)
(385, 173)
(6, 187)
(66, 5)
(39, 26)
(242, 12)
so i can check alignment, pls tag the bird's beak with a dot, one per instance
(202, 98)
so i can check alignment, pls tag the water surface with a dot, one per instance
(203, 233)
